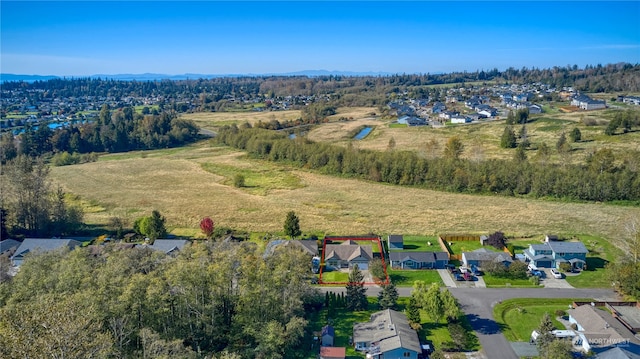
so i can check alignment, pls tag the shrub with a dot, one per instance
(535, 280)
(238, 180)
(560, 313)
(565, 267)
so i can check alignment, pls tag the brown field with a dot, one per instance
(176, 183)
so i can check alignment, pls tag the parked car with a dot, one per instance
(459, 277)
(536, 273)
(556, 274)
(451, 268)
(468, 276)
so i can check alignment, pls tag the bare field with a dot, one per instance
(178, 186)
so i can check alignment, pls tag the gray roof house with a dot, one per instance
(168, 246)
(552, 253)
(309, 246)
(482, 255)
(598, 328)
(327, 336)
(619, 353)
(387, 335)
(40, 245)
(347, 254)
(418, 260)
(8, 244)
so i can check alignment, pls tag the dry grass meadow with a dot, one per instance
(189, 183)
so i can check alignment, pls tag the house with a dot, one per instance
(552, 253)
(332, 352)
(326, 336)
(309, 246)
(419, 260)
(347, 254)
(634, 100)
(624, 352)
(412, 121)
(597, 328)
(438, 107)
(395, 241)
(40, 245)
(482, 255)
(535, 109)
(168, 246)
(8, 245)
(460, 119)
(387, 335)
(587, 103)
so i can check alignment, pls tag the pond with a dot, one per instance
(363, 133)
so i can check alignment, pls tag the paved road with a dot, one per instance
(478, 303)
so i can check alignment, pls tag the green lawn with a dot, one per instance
(600, 253)
(519, 317)
(335, 276)
(421, 244)
(496, 282)
(520, 245)
(405, 278)
(397, 125)
(468, 246)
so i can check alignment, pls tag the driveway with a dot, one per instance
(550, 282)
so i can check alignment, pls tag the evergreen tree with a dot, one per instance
(292, 225)
(576, 135)
(508, 139)
(356, 292)
(388, 296)
(545, 337)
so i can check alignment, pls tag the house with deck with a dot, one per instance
(387, 335)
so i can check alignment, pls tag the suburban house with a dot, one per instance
(347, 254)
(552, 253)
(8, 245)
(460, 119)
(535, 109)
(387, 335)
(40, 245)
(619, 353)
(483, 255)
(395, 241)
(309, 246)
(598, 328)
(412, 121)
(168, 246)
(332, 352)
(326, 336)
(419, 260)
(587, 103)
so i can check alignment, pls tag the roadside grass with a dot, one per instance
(519, 317)
(497, 282)
(413, 243)
(406, 278)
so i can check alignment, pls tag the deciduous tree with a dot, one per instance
(207, 227)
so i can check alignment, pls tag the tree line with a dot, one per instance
(600, 179)
(214, 299)
(114, 130)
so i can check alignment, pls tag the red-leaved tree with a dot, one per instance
(206, 225)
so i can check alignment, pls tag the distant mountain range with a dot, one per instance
(151, 76)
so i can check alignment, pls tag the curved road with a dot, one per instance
(478, 303)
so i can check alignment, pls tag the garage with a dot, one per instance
(543, 264)
(362, 265)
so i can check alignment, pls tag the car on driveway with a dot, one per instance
(556, 274)
(536, 273)
(459, 276)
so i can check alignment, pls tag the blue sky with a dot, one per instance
(114, 37)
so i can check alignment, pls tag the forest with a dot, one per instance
(597, 180)
(214, 299)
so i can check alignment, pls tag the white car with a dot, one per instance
(556, 274)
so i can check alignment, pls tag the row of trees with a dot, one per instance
(600, 179)
(213, 298)
(114, 131)
(31, 205)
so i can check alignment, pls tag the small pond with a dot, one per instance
(362, 134)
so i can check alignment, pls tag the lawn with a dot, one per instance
(335, 276)
(420, 244)
(497, 282)
(519, 317)
(468, 246)
(405, 278)
(600, 253)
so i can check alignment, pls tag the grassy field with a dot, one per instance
(519, 317)
(469, 246)
(186, 184)
(406, 278)
(420, 244)
(601, 252)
